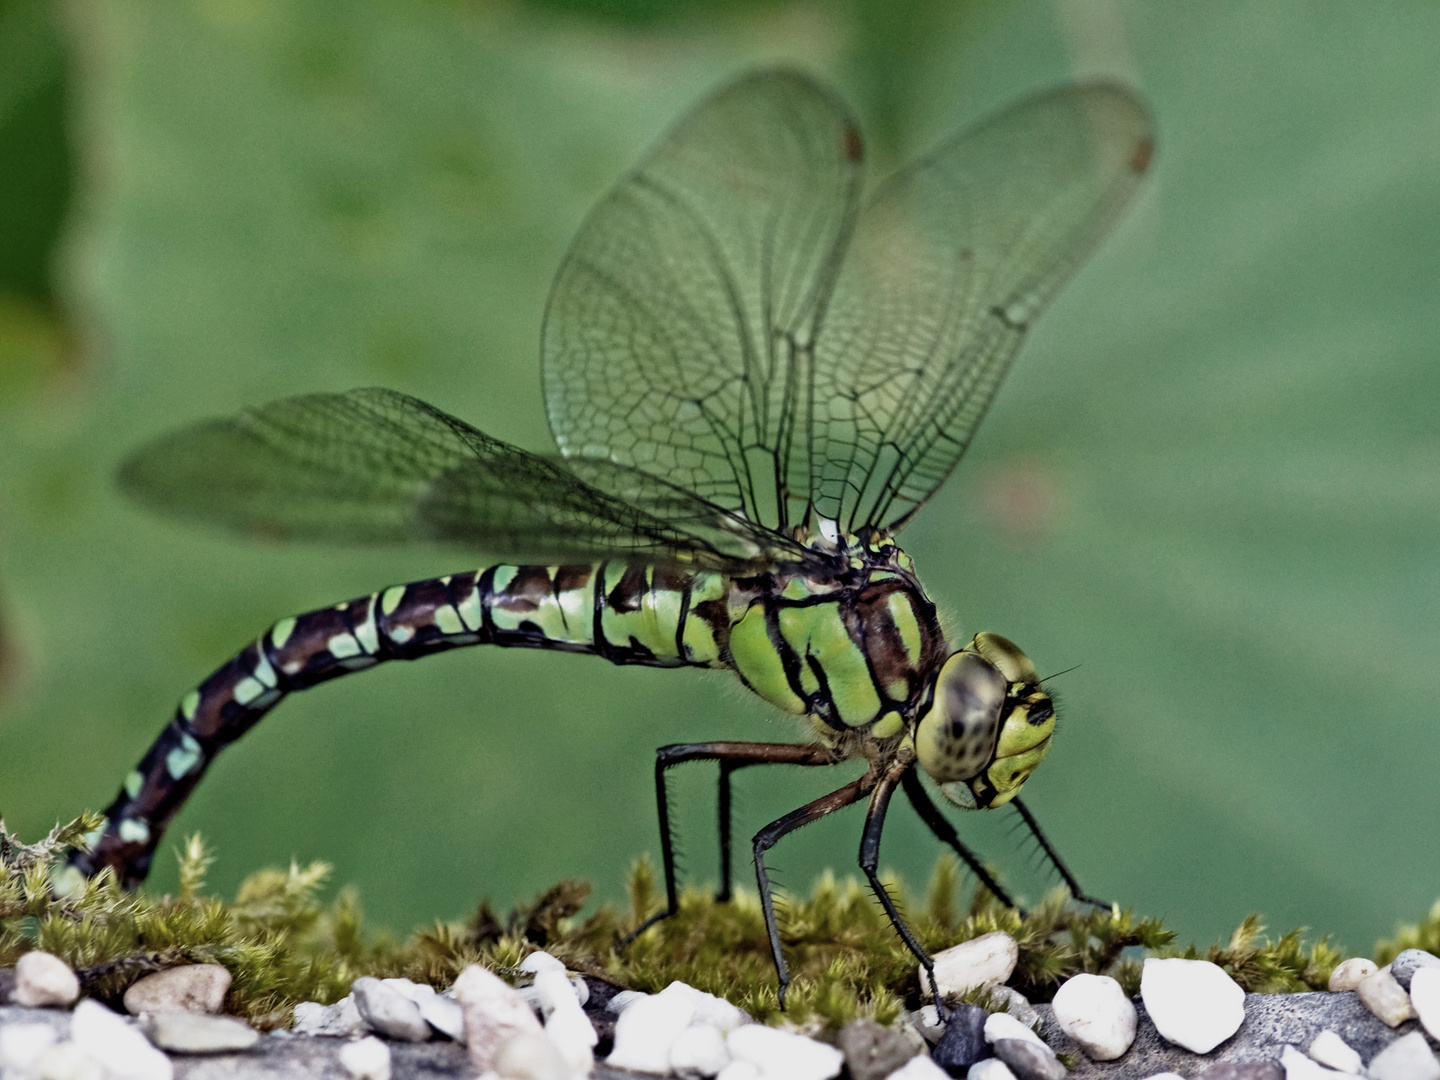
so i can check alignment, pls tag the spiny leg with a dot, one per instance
(732, 756)
(1055, 859)
(767, 837)
(945, 832)
(894, 774)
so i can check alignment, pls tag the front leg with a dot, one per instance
(1055, 859)
(945, 832)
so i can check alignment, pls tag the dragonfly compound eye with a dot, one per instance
(956, 739)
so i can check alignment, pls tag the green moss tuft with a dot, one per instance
(1422, 935)
(283, 945)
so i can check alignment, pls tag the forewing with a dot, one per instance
(679, 333)
(378, 466)
(949, 263)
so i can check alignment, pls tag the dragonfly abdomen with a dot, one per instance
(629, 614)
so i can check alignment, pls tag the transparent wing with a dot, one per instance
(376, 466)
(680, 328)
(949, 263)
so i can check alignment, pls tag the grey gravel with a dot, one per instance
(1256, 1070)
(389, 1011)
(963, 1041)
(1029, 1060)
(1405, 965)
(873, 1051)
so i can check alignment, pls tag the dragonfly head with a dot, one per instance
(988, 724)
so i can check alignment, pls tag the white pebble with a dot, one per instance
(1004, 1026)
(440, 1012)
(199, 1033)
(624, 999)
(388, 1010)
(1349, 974)
(1386, 998)
(709, 1009)
(194, 988)
(66, 1061)
(989, 1069)
(1010, 1000)
(539, 961)
(341, 1020)
(1192, 1003)
(21, 1044)
(1330, 1049)
(921, 1067)
(783, 1053)
(106, 1036)
(986, 960)
(1094, 1011)
(366, 1059)
(645, 1030)
(699, 1050)
(1299, 1067)
(43, 980)
(494, 1013)
(1407, 1058)
(1425, 998)
(529, 1056)
(566, 1024)
(740, 1070)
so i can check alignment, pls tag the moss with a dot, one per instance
(1423, 935)
(283, 945)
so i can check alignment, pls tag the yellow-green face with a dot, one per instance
(988, 725)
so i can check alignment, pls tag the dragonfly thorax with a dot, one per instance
(987, 724)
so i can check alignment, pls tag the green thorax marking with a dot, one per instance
(853, 644)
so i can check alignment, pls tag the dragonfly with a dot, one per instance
(756, 374)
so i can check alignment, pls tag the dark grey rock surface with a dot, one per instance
(1271, 1022)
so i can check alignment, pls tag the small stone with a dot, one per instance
(494, 1013)
(783, 1053)
(66, 1061)
(1192, 1003)
(1299, 1067)
(43, 980)
(740, 1070)
(1028, 1061)
(389, 1011)
(531, 1056)
(1349, 974)
(1425, 998)
(1165, 1076)
(567, 1026)
(366, 1059)
(539, 961)
(873, 1051)
(1251, 1070)
(927, 1023)
(990, 1069)
(987, 959)
(1330, 1049)
(1094, 1011)
(22, 1044)
(624, 999)
(1386, 998)
(922, 1068)
(444, 1015)
(709, 1009)
(699, 1050)
(645, 1030)
(340, 1021)
(963, 1041)
(1410, 961)
(1407, 1058)
(198, 1033)
(106, 1036)
(1004, 1026)
(193, 988)
(1008, 999)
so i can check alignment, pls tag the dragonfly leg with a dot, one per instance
(945, 832)
(1055, 859)
(731, 756)
(767, 837)
(894, 775)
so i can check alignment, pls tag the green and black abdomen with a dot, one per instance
(627, 614)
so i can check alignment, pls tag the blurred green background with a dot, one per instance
(1212, 481)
